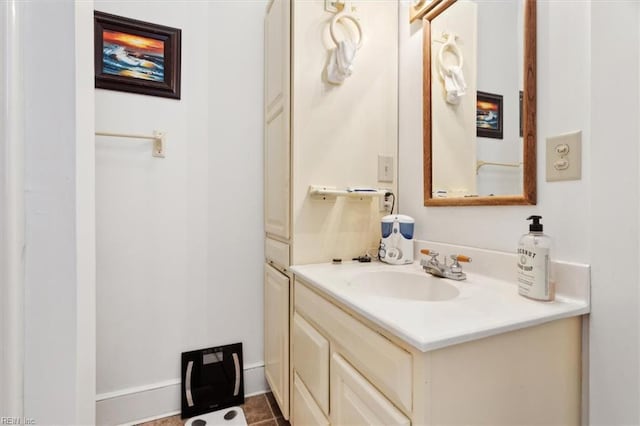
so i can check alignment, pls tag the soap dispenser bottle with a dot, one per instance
(534, 269)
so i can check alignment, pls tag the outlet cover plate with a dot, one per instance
(385, 168)
(564, 157)
(381, 206)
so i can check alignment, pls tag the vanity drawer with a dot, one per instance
(311, 360)
(276, 252)
(386, 365)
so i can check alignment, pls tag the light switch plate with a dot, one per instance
(564, 157)
(385, 168)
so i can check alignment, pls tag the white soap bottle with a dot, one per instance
(534, 263)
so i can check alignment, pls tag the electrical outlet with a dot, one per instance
(385, 168)
(384, 203)
(564, 157)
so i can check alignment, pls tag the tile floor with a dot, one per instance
(260, 410)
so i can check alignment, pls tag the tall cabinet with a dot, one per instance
(277, 147)
(317, 133)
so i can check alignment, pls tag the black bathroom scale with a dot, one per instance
(212, 379)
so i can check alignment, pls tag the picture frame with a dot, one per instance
(489, 113)
(521, 126)
(136, 56)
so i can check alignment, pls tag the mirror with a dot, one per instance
(479, 99)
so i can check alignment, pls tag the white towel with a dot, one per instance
(341, 62)
(454, 84)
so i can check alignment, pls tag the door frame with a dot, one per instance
(12, 213)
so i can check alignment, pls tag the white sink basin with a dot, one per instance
(404, 285)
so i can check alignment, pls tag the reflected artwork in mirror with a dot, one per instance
(479, 99)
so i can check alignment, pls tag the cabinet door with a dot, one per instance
(276, 335)
(354, 401)
(305, 410)
(277, 118)
(311, 360)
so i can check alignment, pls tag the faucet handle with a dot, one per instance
(455, 266)
(434, 257)
(460, 258)
(429, 252)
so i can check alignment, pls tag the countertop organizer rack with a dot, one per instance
(158, 139)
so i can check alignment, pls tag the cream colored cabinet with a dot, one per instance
(311, 352)
(371, 353)
(354, 401)
(350, 399)
(307, 141)
(528, 376)
(277, 189)
(277, 118)
(276, 335)
(306, 411)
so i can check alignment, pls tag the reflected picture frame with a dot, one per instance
(489, 114)
(521, 95)
(136, 56)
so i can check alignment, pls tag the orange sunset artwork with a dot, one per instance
(132, 55)
(487, 114)
(486, 106)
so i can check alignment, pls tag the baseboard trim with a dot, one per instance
(162, 399)
(137, 389)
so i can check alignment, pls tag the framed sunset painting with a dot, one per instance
(489, 115)
(136, 56)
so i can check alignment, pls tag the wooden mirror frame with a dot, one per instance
(528, 115)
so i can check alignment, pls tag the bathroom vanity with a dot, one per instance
(378, 349)
(386, 354)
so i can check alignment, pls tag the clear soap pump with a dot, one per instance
(534, 263)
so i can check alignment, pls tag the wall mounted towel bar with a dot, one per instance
(481, 163)
(157, 138)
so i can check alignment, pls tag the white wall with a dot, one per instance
(85, 208)
(563, 105)
(179, 240)
(614, 236)
(50, 290)
(59, 348)
(235, 165)
(589, 224)
(339, 131)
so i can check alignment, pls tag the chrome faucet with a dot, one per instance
(434, 267)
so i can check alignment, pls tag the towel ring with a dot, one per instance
(453, 47)
(344, 15)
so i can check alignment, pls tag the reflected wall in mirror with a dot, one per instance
(480, 103)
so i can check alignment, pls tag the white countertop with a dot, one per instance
(485, 306)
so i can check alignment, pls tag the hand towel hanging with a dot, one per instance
(341, 61)
(454, 83)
